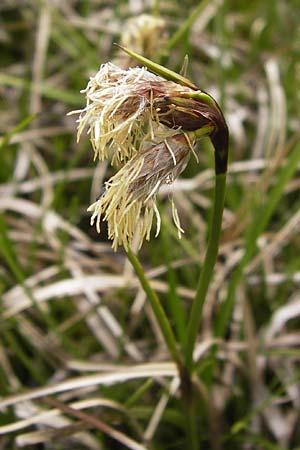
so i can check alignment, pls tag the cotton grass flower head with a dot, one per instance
(125, 107)
(146, 123)
(128, 203)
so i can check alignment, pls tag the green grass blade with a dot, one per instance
(259, 224)
(45, 89)
(4, 140)
(10, 257)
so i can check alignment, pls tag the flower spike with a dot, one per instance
(128, 202)
(219, 136)
(148, 123)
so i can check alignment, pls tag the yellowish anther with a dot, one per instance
(128, 203)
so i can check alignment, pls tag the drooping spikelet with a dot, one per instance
(148, 125)
(125, 107)
(128, 203)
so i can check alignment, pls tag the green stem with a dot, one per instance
(157, 309)
(175, 307)
(207, 270)
(192, 431)
(155, 8)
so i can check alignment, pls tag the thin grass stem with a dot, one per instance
(192, 434)
(175, 306)
(207, 270)
(157, 309)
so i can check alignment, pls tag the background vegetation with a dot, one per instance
(76, 330)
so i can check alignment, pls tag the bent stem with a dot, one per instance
(207, 270)
(157, 309)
